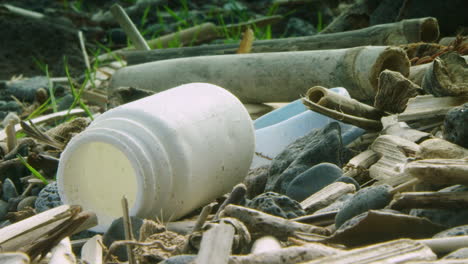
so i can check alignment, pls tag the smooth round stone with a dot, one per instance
(454, 231)
(370, 198)
(48, 198)
(9, 190)
(3, 209)
(313, 180)
(116, 232)
(456, 125)
(277, 204)
(29, 201)
(461, 253)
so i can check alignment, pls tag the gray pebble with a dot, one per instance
(461, 253)
(48, 198)
(313, 180)
(277, 204)
(456, 125)
(25, 89)
(3, 209)
(374, 197)
(9, 190)
(116, 232)
(29, 201)
(180, 259)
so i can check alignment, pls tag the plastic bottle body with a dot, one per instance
(168, 153)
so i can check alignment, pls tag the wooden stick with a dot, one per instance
(261, 224)
(326, 196)
(428, 106)
(435, 200)
(439, 171)
(83, 50)
(235, 197)
(216, 245)
(62, 253)
(127, 223)
(129, 28)
(10, 132)
(386, 34)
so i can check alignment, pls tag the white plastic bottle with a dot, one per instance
(168, 153)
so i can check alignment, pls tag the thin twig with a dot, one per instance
(127, 223)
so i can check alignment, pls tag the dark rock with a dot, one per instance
(29, 201)
(13, 203)
(350, 180)
(277, 204)
(456, 125)
(313, 180)
(9, 190)
(116, 232)
(3, 209)
(5, 223)
(48, 198)
(180, 259)
(117, 36)
(255, 181)
(445, 217)
(25, 89)
(298, 27)
(374, 197)
(461, 253)
(65, 102)
(9, 106)
(320, 145)
(451, 232)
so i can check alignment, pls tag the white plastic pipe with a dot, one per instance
(169, 153)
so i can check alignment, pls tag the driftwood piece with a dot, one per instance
(14, 258)
(394, 91)
(334, 101)
(358, 166)
(417, 72)
(326, 196)
(396, 152)
(289, 255)
(318, 100)
(395, 252)
(428, 106)
(376, 226)
(261, 224)
(439, 171)
(441, 261)
(438, 148)
(129, 28)
(216, 245)
(62, 253)
(235, 197)
(92, 250)
(275, 77)
(447, 76)
(436, 200)
(385, 34)
(402, 130)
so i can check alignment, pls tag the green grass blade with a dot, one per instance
(32, 170)
(51, 90)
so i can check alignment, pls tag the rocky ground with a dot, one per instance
(399, 186)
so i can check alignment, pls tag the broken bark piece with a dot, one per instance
(417, 72)
(62, 253)
(402, 130)
(318, 218)
(216, 245)
(92, 250)
(288, 255)
(273, 77)
(358, 166)
(245, 45)
(439, 171)
(334, 101)
(437, 148)
(376, 226)
(428, 107)
(434, 200)
(394, 91)
(261, 224)
(395, 252)
(396, 152)
(447, 76)
(326, 196)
